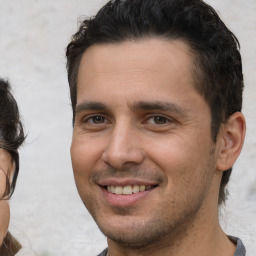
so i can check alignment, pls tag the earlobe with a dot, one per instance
(232, 139)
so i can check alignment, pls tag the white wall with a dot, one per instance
(46, 210)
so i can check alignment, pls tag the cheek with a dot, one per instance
(181, 159)
(3, 179)
(85, 156)
(4, 218)
(4, 208)
(173, 151)
(84, 160)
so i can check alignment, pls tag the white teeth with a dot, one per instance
(142, 188)
(127, 190)
(118, 190)
(135, 189)
(112, 189)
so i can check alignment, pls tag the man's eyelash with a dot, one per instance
(97, 118)
(159, 119)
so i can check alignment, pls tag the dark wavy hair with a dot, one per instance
(11, 132)
(10, 246)
(11, 138)
(217, 61)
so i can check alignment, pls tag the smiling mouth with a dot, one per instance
(128, 190)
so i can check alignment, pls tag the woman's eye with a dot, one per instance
(158, 120)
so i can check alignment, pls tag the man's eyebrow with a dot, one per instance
(158, 105)
(137, 106)
(90, 105)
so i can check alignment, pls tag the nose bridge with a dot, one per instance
(123, 145)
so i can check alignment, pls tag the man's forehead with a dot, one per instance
(129, 61)
(133, 52)
(155, 66)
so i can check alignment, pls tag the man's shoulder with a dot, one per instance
(240, 249)
(104, 253)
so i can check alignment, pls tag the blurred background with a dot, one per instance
(47, 213)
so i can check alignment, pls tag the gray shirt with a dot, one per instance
(240, 249)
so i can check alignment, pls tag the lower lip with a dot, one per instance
(125, 200)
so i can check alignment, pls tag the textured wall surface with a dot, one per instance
(47, 213)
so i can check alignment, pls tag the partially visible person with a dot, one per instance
(11, 138)
(156, 89)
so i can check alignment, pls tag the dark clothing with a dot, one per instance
(240, 249)
(104, 253)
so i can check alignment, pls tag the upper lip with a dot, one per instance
(125, 182)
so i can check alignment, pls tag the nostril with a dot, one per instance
(120, 159)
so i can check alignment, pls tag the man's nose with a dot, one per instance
(123, 147)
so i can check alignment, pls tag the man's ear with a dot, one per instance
(231, 141)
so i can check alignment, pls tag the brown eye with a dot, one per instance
(160, 120)
(95, 123)
(97, 119)
(159, 123)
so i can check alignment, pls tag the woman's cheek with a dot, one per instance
(4, 218)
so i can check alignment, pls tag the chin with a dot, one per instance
(133, 232)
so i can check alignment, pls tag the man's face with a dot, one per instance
(142, 154)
